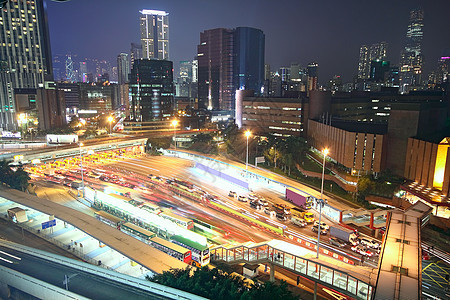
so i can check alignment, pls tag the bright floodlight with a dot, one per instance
(325, 151)
(110, 119)
(174, 123)
(81, 144)
(248, 133)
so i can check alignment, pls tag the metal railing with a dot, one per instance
(315, 271)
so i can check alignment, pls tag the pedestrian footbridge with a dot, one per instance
(353, 281)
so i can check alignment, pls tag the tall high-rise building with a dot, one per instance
(248, 48)
(229, 59)
(135, 53)
(443, 70)
(151, 90)
(123, 68)
(195, 70)
(411, 58)
(155, 34)
(25, 56)
(368, 54)
(215, 69)
(313, 74)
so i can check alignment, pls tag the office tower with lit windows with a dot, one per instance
(155, 34)
(411, 57)
(151, 90)
(25, 56)
(135, 53)
(229, 60)
(248, 48)
(368, 54)
(215, 69)
(313, 74)
(123, 68)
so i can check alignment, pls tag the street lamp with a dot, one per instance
(247, 134)
(81, 165)
(110, 120)
(174, 124)
(321, 202)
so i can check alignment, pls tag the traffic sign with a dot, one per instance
(48, 224)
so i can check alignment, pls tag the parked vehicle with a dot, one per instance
(344, 234)
(232, 194)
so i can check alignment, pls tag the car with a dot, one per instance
(267, 210)
(242, 198)
(327, 227)
(370, 243)
(315, 228)
(254, 204)
(232, 194)
(252, 196)
(299, 222)
(337, 242)
(362, 250)
(281, 217)
(263, 202)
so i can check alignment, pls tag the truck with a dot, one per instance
(76, 184)
(299, 198)
(300, 213)
(344, 234)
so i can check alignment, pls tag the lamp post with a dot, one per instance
(81, 165)
(321, 202)
(247, 135)
(110, 120)
(174, 124)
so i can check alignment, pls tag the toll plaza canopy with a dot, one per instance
(154, 260)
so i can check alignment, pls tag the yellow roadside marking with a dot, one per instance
(427, 267)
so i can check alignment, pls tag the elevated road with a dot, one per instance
(68, 278)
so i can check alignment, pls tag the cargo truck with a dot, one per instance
(344, 234)
(299, 198)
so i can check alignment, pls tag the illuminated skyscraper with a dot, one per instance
(215, 69)
(25, 58)
(228, 60)
(411, 58)
(123, 68)
(151, 90)
(155, 34)
(367, 55)
(313, 74)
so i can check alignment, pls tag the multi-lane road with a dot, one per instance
(236, 230)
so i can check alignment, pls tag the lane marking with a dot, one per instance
(10, 255)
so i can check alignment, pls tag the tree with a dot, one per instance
(15, 179)
(216, 284)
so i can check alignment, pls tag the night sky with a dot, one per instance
(325, 31)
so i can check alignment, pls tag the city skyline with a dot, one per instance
(328, 33)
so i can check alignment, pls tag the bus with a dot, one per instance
(150, 207)
(189, 187)
(200, 253)
(177, 251)
(107, 218)
(137, 232)
(179, 220)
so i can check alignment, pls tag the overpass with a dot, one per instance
(50, 276)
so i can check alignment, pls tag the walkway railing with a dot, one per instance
(318, 272)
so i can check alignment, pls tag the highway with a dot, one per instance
(81, 283)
